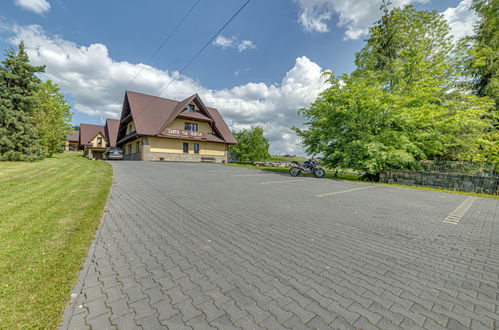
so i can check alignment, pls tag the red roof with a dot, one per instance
(88, 133)
(152, 115)
(111, 129)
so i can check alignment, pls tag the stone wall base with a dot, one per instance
(466, 183)
(171, 157)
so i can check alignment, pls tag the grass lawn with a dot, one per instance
(286, 159)
(356, 177)
(329, 175)
(49, 211)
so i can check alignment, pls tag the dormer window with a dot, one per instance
(191, 108)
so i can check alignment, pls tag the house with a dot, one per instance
(95, 139)
(72, 141)
(156, 129)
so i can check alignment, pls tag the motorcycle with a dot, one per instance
(310, 166)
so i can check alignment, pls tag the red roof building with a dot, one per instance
(95, 139)
(155, 128)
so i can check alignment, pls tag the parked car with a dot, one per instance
(113, 154)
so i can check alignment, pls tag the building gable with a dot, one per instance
(152, 115)
(94, 142)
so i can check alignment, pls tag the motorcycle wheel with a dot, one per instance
(294, 171)
(319, 173)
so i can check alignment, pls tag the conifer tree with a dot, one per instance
(18, 84)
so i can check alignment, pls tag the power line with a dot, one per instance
(195, 55)
(160, 47)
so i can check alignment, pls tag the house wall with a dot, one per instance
(103, 144)
(133, 153)
(177, 145)
(130, 127)
(71, 145)
(164, 149)
(179, 123)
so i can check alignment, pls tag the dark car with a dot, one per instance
(113, 154)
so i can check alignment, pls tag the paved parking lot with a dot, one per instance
(207, 246)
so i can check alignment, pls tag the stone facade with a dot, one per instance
(466, 183)
(147, 155)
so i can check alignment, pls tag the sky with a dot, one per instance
(259, 71)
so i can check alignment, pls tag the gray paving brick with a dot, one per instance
(101, 322)
(175, 322)
(118, 308)
(141, 309)
(149, 322)
(235, 313)
(317, 323)
(164, 309)
(303, 315)
(226, 252)
(341, 323)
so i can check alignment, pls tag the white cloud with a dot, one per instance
(94, 80)
(233, 42)
(355, 16)
(36, 6)
(461, 19)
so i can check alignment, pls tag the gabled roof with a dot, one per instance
(74, 137)
(111, 130)
(88, 132)
(152, 114)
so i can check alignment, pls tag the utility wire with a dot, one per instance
(159, 48)
(195, 56)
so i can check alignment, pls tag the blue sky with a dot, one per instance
(263, 67)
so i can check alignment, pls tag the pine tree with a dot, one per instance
(484, 53)
(18, 84)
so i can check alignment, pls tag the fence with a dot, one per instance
(461, 176)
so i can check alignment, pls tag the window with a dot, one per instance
(191, 108)
(191, 127)
(129, 149)
(137, 146)
(99, 140)
(186, 148)
(196, 148)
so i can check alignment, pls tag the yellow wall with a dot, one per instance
(180, 124)
(103, 144)
(130, 127)
(175, 146)
(134, 146)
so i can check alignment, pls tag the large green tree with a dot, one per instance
(18, 85)
(408, 48)
(52, 117)
(483, 67)
(402, 104)
(251, 145)
(484, 49)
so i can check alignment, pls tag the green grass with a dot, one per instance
(286, 159)
(356, 177)
(49, 211)
(329, 175)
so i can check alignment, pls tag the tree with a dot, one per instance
(400, 106)
(52, 116)
(407, 48)
(483, 63)
(482, 66)
(251, 145)
(18, 84)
